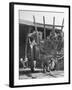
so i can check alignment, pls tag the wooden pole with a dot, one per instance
(27, 42)
(37, 35)
(36, 29)
(44, 27)
(34, 23)
(54, 24)
(26, 48)
(62, 24)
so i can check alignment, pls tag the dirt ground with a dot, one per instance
(27, 74)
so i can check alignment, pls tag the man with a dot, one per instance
(33, 62)
(24, 62)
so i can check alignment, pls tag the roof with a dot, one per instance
(50, 26)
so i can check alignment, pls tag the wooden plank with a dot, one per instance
(27, 42)
(44, 27)
(34, 23)
(62, 24)
(36, 29)
(54, 24)
(50, 25)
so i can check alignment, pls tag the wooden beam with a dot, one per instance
(44, 27)
(27, 42)
(62, 24)
(36, 29)
(37, 35)
(54, 24)
(34, 23)
(50, 25)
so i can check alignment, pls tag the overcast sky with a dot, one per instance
(28, 16)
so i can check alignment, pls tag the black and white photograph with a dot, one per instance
(41, 44)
